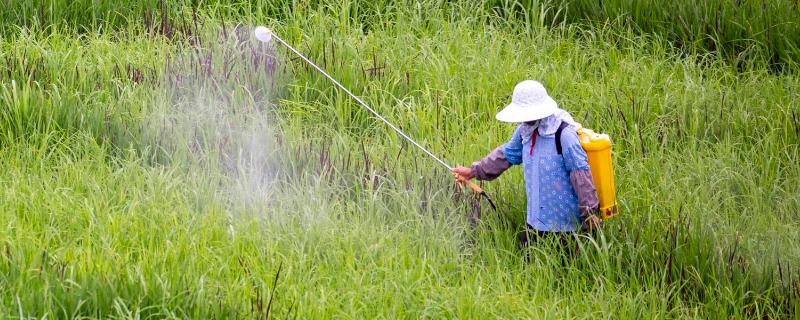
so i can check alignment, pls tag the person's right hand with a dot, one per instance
(464, 172)
(592, 223)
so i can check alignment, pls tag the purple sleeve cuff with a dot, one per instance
(584, 188)
(491, 166)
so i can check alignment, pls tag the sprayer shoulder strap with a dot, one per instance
(561, 127)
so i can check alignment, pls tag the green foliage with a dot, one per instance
(740, 31)
(132, 188)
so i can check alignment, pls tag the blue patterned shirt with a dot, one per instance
(552, 202)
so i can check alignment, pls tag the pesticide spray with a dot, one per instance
(266, 35)
(211, 117)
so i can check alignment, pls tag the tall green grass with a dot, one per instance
(107, 215)
(740, 31)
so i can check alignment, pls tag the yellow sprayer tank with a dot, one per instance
(598, 148)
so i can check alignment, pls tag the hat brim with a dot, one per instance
(523, 113)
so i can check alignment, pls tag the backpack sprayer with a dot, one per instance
(265, 35)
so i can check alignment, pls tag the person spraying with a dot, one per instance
(561, 195)
(540, 114)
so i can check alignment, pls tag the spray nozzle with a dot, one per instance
(263, 34)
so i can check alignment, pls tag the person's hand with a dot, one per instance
(592, 223)
(464, 172)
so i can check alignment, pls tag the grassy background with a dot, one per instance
(167, 168)
(742, 32)
(739, 31)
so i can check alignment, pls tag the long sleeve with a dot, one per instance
(584, 188)
(500, 159)
(577, 163)
(491, 166)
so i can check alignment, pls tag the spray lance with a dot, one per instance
(266, 35)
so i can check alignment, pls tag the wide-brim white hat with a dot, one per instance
(529, 102)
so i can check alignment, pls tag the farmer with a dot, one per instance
(561, 194)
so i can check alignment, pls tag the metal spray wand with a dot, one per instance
(266, 35)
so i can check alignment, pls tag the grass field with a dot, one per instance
(739, 31)
(173, 168)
